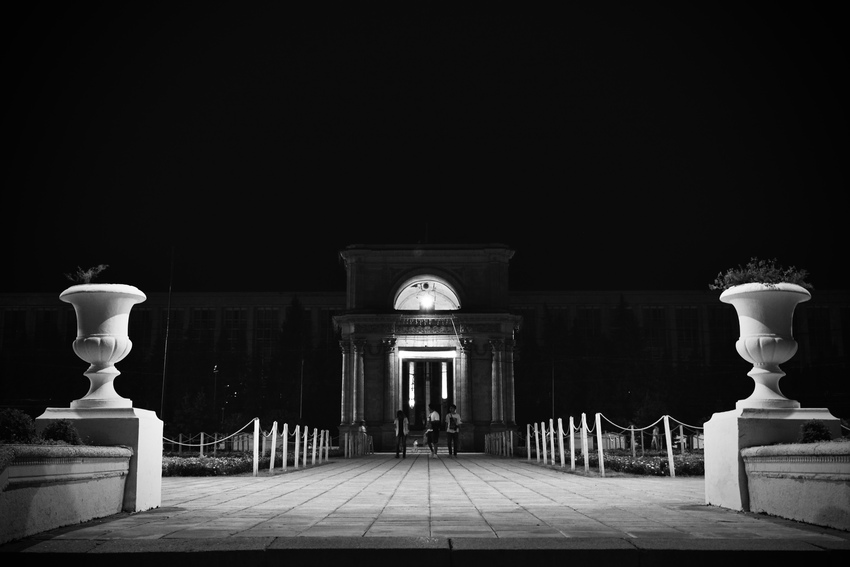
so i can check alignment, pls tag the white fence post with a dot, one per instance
(528, 441)
(599, 442)
(552, 439)
(321, 444)
(669, 445)
(572, 444)
(274, 446)
(536, 443)
(201, 448)
(315, 433)
(256, 444)
(584, 450)
(543, 442)
(304, 450)
(561, 440)
(297, 446)
(327, 443)
(285, 445)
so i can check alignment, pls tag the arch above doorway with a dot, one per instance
(426, 293)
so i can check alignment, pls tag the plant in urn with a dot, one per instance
(765, 297)
(103, 313)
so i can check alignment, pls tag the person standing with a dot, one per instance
(452, 428)
(433, 424)
(401, 431)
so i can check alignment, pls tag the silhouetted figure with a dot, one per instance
(401, 431)
(452, 428)
(433, 430)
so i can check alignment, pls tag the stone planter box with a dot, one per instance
(805, 482)
(43, 487)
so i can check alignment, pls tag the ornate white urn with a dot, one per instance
(765, 316)
(103, 314)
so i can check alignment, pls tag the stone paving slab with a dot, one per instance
(470, 508)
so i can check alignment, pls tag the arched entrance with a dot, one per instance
(407, 343)
(426, 382)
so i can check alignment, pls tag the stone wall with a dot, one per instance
(43, 487)
(804, 482)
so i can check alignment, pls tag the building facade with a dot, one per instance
(362, 354)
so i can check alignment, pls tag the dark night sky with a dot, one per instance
(613, 147)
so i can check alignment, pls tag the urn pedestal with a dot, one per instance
(727, 433)
(102, 417)
(140, 430)
(765, 315)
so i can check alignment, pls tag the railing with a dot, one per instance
(240, 441)
(543, 437)
(358, 444)
(500, 443)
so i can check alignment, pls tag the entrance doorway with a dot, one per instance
(427, 382)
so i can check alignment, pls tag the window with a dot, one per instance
(655, 330)
(235, 325)
(203, 325)
(426, 293)
(267, 326)
(687, 331)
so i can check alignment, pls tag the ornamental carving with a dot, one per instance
(427, 326)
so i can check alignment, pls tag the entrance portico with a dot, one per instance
(435, 333)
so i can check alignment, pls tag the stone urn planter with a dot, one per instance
(765, 316)
(103, 313)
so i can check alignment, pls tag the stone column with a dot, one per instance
(510, 407)
(463, 382)
(357, 384)
(345, 409)
(498, 383)
(463, 400)
(392, 387)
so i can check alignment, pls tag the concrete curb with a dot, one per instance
(426, 551)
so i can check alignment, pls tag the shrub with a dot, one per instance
(223, 464)
(654, 463)
(62, 430)
(760, 271)
(16, 427)
(813, 431)
(82, 276)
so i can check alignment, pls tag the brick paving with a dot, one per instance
(469, 500)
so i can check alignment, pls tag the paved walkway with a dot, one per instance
(444, 505)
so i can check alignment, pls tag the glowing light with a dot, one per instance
(412, 392)
(426, 301)
(445, 381)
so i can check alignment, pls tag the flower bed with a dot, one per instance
(223, 464)
(653, 463)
